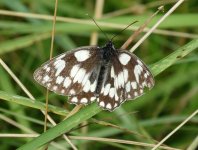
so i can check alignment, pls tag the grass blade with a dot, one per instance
(30, 103)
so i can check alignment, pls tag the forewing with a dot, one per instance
(68, 73)
(137, 75)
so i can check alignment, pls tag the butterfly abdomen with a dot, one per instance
(100, 80)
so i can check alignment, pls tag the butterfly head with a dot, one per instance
(109, 45)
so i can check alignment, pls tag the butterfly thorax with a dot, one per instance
(108, 51)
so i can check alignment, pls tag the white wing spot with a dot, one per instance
(55, 63)
(116, 82)
(74, 70)
(115, 105)
(72, 91)
(128, 86)
(125, 72)
(55, 88)
(60, 57)
(84, 100)
(59, 65)
(85, 79)
(74, 99)
(144, 84)
(47, 69)
(149, 85)
(120, 79)
(92, 99)
(102, 104)
(102, 90)
(135, 94)
(134, 85)
(67, 82)
(136, 72)
(82, 55)
(112, 72)
(46, 78)
(139, 62)
(112, 92)
(141, 91)
(129, 96)
(145, 75)
(140, 68)
(48, 85)
(87, 86)
(107, 88)
(59, 79)
(79, 76)
(116, 96)
(109, 106)
(93, 86)
(39, 77)
(124, 58)
(62, 91)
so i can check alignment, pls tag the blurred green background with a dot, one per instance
(25, 45)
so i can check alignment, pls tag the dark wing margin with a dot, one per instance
(69, 72)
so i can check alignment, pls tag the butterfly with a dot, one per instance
(105, 74)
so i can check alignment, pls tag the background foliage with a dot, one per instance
(25, 45)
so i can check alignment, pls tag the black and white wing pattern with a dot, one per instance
(126, 80)
(68, 73)
(87, 95)
(88, 73)
(138, 77)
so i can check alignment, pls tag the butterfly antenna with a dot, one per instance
(99, 27)
(123, 30)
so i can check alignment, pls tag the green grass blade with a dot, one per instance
(21, 42)
(30, 103)
(174, 57)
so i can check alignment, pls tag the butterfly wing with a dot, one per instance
(88, 92)
(69, 72)
(137, 75)
(126, 79)
(110, 95)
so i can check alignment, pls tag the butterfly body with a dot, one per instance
(106, 74)
(107, 52)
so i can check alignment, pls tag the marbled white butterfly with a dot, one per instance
(105, 74)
